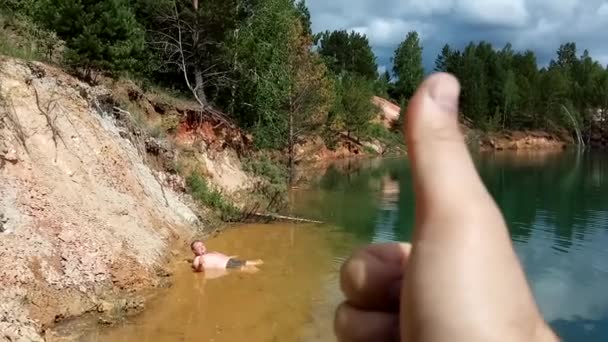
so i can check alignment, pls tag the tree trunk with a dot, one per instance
(199, 86)
(291, 149)
(234, 60)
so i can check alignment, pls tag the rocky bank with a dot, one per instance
(86, 223)
(523, 140)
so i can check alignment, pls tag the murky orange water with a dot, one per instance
(291, 298)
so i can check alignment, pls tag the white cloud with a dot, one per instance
(387, 31)
(552, 7)
(413, 9)
(510, 13)
(602, 11)
(543, 34)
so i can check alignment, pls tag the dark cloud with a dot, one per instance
(539, 25)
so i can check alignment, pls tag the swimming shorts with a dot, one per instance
(235, 263)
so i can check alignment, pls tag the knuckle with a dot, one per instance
(346, 277)
(341, 322)
(353, 277)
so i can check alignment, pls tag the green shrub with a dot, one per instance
(491, 123)
(157, 131)
(378, 131)
(170, 124)
(20, 37)
(275, 173)
(17, 6)
(275, 176)
(200, 190)
(369, 150)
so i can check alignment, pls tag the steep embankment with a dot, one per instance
(524, 140)
(388, 112)
(84, 220)
(380, 141)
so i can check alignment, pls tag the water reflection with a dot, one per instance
(556, 206)
(386, 220)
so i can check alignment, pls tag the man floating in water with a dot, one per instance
(218, 261)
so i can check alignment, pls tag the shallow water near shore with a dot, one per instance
(278, 303)
(556, 205)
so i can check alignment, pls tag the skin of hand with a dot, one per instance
(198, 264)
(460, 280)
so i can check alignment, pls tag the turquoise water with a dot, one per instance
(556, 206)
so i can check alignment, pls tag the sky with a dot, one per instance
(539, 25)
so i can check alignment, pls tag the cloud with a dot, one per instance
(539, 25)
(386, 31)
(603, 11)
(507, 13)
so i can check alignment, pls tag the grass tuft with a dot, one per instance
(202, 192)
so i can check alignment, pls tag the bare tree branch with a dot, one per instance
(185, 46)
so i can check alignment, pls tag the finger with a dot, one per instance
(391, 252)
(371, 278)
(353, 325)
(444, 174)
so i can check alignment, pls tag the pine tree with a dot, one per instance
(304, 15)
(99, 35)
(382, 84)
(510, 98)
(407, 65)
(348, 52)
(357, 107)
(474, 85)
(442, 60)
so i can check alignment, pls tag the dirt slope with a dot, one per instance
(82, 219)
(388, 112)
(524, 140)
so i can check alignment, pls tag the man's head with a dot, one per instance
(198, 247)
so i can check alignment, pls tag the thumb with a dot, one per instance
(445, 178)
(463, 270)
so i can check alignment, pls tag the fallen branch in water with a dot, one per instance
(276, 217)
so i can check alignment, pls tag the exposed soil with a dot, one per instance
(388, 112)
(209, 141)
(85, 222)
(524, 140)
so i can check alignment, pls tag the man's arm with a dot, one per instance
(198, 264)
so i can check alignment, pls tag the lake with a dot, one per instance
(556, 206)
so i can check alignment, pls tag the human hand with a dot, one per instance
(461, 280)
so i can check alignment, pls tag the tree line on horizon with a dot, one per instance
(259, 62)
